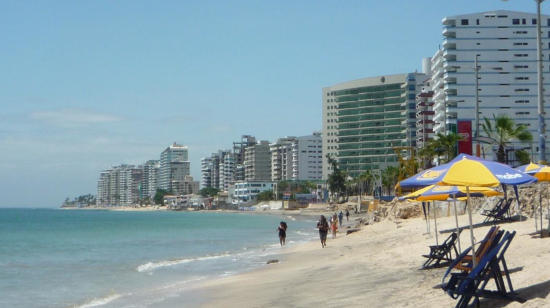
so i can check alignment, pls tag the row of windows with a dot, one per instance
(354, 98)
(387, 101)
(366, 90)
(515, 21)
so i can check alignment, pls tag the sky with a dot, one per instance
(86, 85)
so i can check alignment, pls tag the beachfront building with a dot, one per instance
(307, 157)
(257, 162)
(246, 192)
(120, 186)
(363, 120)
(227, 171)
(297, 158)
(150, 179)
(212, 170)
(174, 161)
(504, 44)
(281, 159)
(239, 171)
(185, 186)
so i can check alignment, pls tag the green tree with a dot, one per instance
(504, 131)
(445, 144)
(265, 196)
(523, 157)
(209, 192)
(427, 154)
(337, 179)
(159, 196)
(389, 179)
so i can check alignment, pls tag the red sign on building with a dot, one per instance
(465, 131)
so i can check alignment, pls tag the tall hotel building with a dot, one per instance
(506, 49)
(364, 119)
(174, 164)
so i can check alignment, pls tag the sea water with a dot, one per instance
(88, 258)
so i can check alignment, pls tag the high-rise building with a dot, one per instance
(172, 159)
(281, 159)
(257, 162)
(150, 179)
(307, 157)
(505, 45)
(119, 186)
(238, 155)
(364, 119)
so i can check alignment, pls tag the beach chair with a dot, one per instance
(490, 240)
(443, 252)
(500, 211)
(467, 285)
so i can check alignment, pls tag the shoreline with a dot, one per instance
(378, 266)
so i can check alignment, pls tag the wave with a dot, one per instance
(154, 265)
(99, 301)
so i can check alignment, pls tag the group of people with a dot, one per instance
(322, 225)
(335, 221)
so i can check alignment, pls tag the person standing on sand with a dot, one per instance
(322, 225)
(334, 225)
(347, 215)
(282, 233)
(341, 218)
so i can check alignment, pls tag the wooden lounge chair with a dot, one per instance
(500, 211)
(443, 252)
(467, 285)
(465, 263)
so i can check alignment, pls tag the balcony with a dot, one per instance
(438, 84)
(449, 21)
(449, 55)
(425, 122)
(425, 113)
(449, 44)
(449, 32)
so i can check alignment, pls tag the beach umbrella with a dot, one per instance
(469, 171)
(449, 194)
(542, 173)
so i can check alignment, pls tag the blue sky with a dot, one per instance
(85, 85)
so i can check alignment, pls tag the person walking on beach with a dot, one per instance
(282, 233)
(347, 215)
(322, 225)
(341, 218)
(334, 225)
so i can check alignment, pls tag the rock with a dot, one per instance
(272, 261)
(352, 231)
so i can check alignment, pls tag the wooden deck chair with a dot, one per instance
(500, 211)
(466, 263)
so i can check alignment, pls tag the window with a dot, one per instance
(521, 55)
(522, 101)
(477, 22)
(515, 21)
(502, 16)
(522, 78)
(534, 21)
(464, 22)
(523, 21)
(521, 66)
(522, 90)
(522, 112)
(521, 44)
(520, 32)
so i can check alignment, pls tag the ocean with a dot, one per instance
(53, 258)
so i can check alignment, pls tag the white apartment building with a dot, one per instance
(307, 157)
(257, 162)
(506, 49)
(281, 159)
(175, 153)
(150, 178)
(119, 186)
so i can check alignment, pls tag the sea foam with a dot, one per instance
(154, 265)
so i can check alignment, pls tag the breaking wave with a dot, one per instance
(154, 265)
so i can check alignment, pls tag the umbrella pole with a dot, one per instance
(471, 226)
(457, 229)
(435, 224)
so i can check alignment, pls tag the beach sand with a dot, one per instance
(379, 267)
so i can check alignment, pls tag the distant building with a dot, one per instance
(150, 179)
(364, 119)
(257, 162)
(247, 191)
(119, 186)
(239, 156)
(297, 158)
(174, 162)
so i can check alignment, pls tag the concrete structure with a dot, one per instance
(185, 186)
(150, 179)
(119, 186)
(505, 43)
(364, 119)
(239, 156)
(257, 162)
(281, 159)
(246, 192)
(172, 159)
(307, 157)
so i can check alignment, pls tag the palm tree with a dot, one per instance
(337, 179)
(446, 144)
(505, 132)
(427, 154)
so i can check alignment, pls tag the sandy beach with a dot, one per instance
(379, 267)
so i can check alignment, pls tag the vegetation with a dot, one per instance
(337, 179)
(159, 196)
(265, 196)
(209, 192)
(504, 131)
(84, 200)
(441, 145)
(523, 157)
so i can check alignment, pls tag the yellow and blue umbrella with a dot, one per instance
(449, 193)
(467, 170)
(542, 173)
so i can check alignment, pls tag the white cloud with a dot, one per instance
(73, 117)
